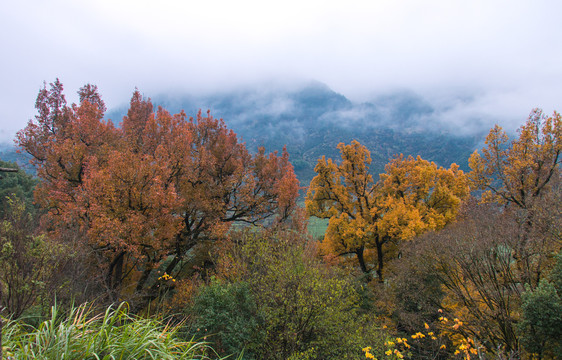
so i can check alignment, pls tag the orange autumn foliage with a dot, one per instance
(153, 188)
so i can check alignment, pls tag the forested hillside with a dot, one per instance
(311, 120)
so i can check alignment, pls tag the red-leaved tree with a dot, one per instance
(147, 193)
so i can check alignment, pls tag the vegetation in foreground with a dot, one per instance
(115, 334)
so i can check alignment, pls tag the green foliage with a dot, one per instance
(19, 184)
(555, 275)
(228, 313)
(115, 334)
(308, 310)
(28, 261)
(317, 227)
(541, 322)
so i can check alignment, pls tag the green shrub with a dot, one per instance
(227, 315)
(307, 310)
(540, 327)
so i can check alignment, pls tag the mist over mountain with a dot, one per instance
(310, 120)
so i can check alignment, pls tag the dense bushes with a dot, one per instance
(227, 313)
(276, 300)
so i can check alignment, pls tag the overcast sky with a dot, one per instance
(495, 59)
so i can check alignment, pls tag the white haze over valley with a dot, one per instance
(473, 63)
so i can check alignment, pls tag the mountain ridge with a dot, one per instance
(311, 119)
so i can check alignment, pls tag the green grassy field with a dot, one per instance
(317, 227)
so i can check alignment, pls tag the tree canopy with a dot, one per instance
(412, 196)
(518, 171)
(153, 188)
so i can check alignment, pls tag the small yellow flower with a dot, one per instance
(443, 346)
(388, 352)
(426, 326)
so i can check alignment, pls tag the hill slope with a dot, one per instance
(313, 119)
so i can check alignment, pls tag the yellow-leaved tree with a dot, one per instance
(523, 175)
(520, 171)
(412, 196)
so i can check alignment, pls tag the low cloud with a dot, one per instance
(503, 55)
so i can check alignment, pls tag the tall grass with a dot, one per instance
(115, 334)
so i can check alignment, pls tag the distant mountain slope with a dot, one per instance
(8, 152)
(313, 119)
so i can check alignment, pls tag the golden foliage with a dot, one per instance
(412, 196)
(519, 171)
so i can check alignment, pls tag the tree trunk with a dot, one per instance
(380, 260)
(114, 274)
(361, 259)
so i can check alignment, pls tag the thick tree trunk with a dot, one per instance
(380, 260)
(114, 274)
(361, 259)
